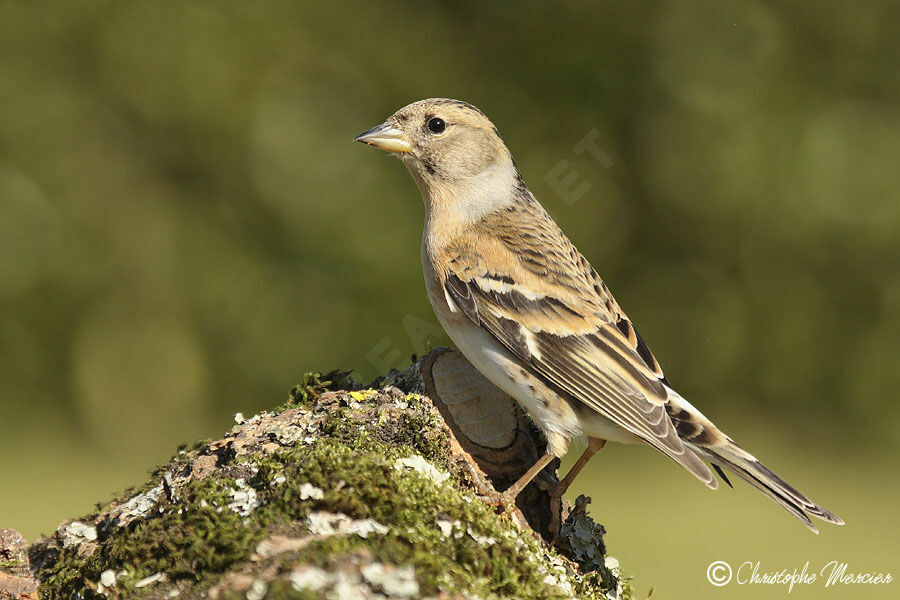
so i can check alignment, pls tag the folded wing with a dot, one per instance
(549, 309)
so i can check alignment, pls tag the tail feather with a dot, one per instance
(762, 478)
(700, 435)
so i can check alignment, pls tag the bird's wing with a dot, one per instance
(520, 278)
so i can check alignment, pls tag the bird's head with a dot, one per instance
(447, 145)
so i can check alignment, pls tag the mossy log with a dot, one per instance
(346, 491)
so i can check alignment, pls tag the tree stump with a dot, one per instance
(346, 491)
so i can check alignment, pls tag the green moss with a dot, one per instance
(64, 579)
(206, 538)
(417, 426)
(199, 444)
(315, 383)
(373, 488)
(198, 538)
(410, 503)
(195, 537)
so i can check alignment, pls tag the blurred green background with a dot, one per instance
(186, 227)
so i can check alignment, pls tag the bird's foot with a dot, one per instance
(502, 500)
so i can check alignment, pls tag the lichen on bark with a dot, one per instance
(347, 491)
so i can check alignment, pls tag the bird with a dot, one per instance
(529, 312)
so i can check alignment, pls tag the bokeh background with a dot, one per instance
(186, 227)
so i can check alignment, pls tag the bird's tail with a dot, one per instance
(747, 467)
(711, 444)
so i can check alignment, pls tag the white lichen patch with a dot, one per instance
(140, 505)
(557, 572)
(418, 464)
(77, 533)
(155, 578)
(286, 435)
(372, 581)
(484, 540)
(243, 498)
(310, 492)
(557, 575)
(564, 585)
(243, 421)
(449, 526)
(394, 582)
(326, 523)
(348, 586)
(108, 578)
(258, 590)
(240, 420)
(313, 579)
(613, 565)
(364, 527)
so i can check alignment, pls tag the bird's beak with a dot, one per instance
(387, 137)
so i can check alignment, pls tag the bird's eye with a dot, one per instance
(436, 125)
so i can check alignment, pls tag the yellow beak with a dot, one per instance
(387, 137)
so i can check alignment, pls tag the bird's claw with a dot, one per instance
(500, 500)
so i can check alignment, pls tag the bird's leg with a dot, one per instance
(594, 446)
(556, 492)
(508, 497)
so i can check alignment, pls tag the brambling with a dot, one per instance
(532, 315)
